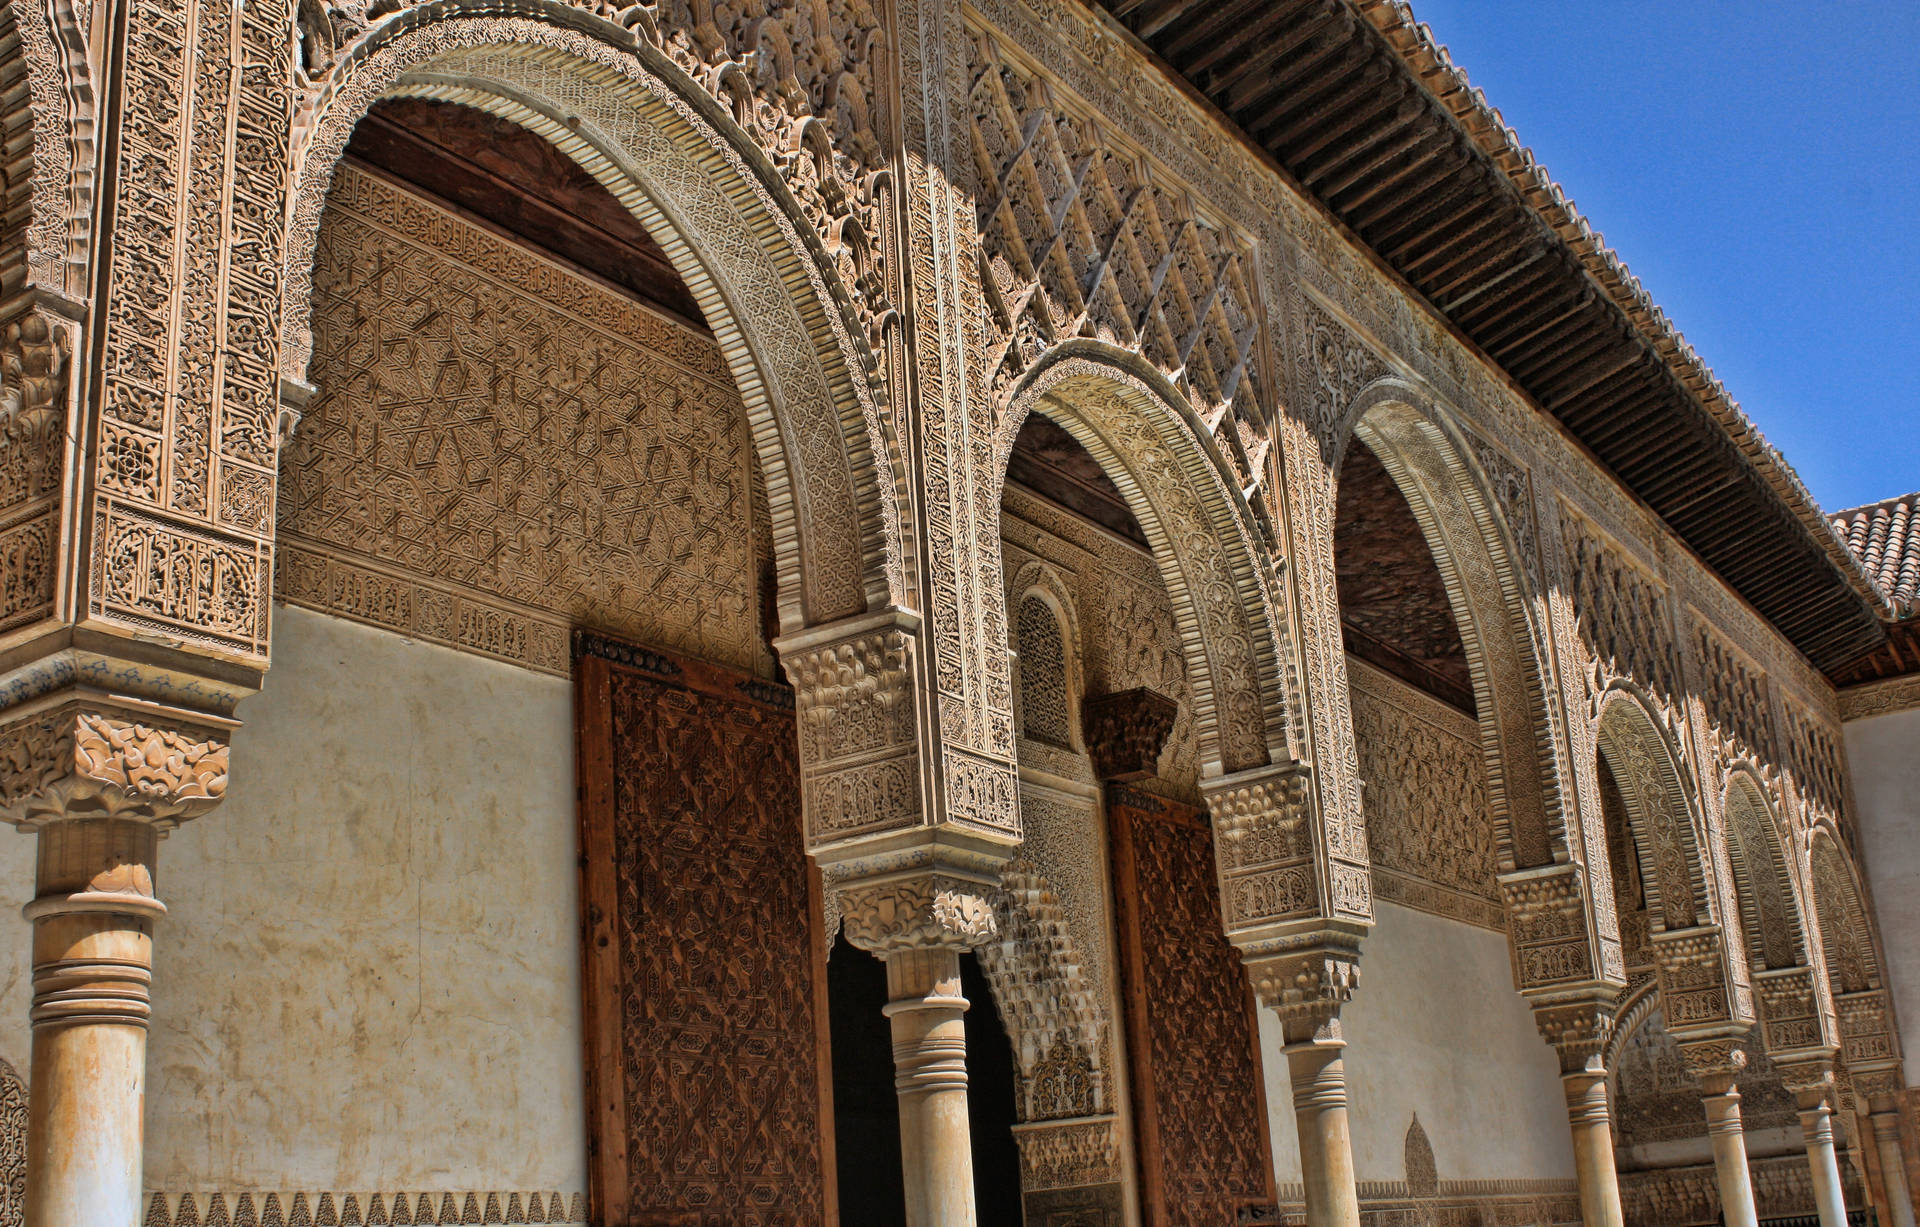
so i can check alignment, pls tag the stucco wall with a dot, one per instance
(368, 978)
(1886, 792)
(1436, 1028)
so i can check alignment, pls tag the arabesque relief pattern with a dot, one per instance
(1428, 828)
(577, 460)
(971, 186)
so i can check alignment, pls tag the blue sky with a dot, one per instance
(1757, 165)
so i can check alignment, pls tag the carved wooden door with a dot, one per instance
(709, 1089)
(1199, 1103)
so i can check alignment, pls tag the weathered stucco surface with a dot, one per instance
(1438, 1029)
(373, 940)
(1886, 793)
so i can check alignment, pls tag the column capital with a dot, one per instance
(93, 756)
(1811, 1080)
(1307, 985)
(1576, 1026)
(1714, 1063)
(1551, 935)
(1125, 732)
(925, 911)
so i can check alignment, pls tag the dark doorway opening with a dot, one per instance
(866, 1114)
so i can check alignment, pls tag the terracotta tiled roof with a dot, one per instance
(1885, 537)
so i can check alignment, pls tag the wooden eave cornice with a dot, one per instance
(1450, 200)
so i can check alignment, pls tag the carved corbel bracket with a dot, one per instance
(1790, 1015)
(85, 758)
(1126, 731)
(1263, 827)
(1696, 994)
(854, 694)
(872, 761)
(38, 337)
(1550, 933)
(926, 911)
(1866, 1030)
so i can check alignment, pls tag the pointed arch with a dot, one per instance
(1216, 569)
(1770, 915)
(674, 157)
(1428, 455)
(1660, 812)
(1037, 584)
(1846, 937)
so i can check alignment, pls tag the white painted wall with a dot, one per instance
(1883, 753)
(369, 974)
(1437, 1028)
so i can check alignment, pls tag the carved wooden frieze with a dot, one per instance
(705, 976)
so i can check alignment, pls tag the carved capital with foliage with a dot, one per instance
(1866, 1029)
(100, 759)
(1695, 994)
(1126, 731)
(915, 913)
(1577, 1026)
(1306, 986)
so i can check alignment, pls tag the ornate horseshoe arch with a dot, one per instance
(1425, 453)
(663, 148)
(1201, 534)
(49, 183)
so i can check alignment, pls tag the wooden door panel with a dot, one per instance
(709, 1087)
(1199, 1102)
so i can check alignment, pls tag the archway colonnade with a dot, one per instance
(157, 308)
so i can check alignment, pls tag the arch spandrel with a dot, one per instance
(726, 220)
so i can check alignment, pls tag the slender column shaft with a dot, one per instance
(1593, 1148)
(1893, 1167)
(1816, 1124)
(92, 920)
(927, 1011)
(1319, 1076)
(1730, 1156)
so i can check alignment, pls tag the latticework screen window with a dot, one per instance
(1043, 674)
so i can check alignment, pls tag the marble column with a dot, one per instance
(93, 916)
(1317, 1071)
(927, 1011)
(921, 925)
(1722, 1100)
(1885, 1118)
(1590, 1121)
(1816, 1126)
(99, 780)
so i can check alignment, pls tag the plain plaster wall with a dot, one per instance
(1436, 1028)
(1883, 753)
(369, 974)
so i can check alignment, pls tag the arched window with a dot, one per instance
(1043, 674)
